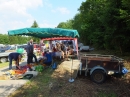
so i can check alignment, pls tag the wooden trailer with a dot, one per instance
(100, 66)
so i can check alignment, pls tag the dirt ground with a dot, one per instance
(84, 87)
(56, 84)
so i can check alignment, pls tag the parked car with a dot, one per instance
(79, 45)
(86, 48)
(2, 50)
(13, 48)
(4, 56)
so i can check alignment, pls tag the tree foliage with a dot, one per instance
(104, 24)
(35, 25)
(66, 25)
(5, 39)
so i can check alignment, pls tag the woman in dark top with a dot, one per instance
(16, 57)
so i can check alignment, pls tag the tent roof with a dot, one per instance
(45, 32)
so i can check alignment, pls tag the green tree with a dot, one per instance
(4, 39)
(13, 39)
(91, 24)
(66, 25)
(106, 23)
(78, 25)
(34, 25)
(62, 25)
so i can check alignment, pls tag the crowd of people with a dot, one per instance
(56, 49)
(59, 49)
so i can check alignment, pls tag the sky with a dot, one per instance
(16, 14)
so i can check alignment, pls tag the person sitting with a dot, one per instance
(53, 51)
(64, 51)
(70, 50)
(53, 48)
(49, 59)
(16, 57)
(58, 52)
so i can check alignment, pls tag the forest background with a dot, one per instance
(102, 24)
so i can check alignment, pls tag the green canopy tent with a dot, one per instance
(49, 33)
(45, 32)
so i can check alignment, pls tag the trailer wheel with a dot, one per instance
(3, 60)
(98, 76)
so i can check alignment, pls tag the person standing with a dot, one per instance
(30, 52)
(34, 56)
(16, 57)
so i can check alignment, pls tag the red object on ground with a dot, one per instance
(20, 71)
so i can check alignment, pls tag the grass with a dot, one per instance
(36, 87)
(103, 94)
(4, 64)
